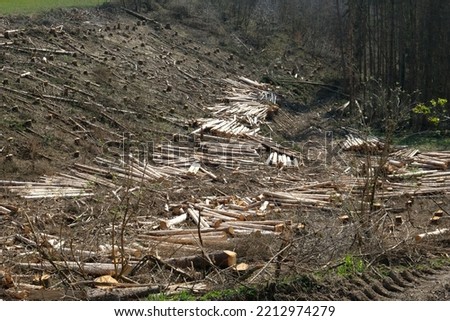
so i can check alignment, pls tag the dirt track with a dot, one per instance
(73, 91)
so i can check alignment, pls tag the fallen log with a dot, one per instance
(166, 224)
(207, 239)
(95, 269)
(198, 220)
(120, 294)
(422, 236)
(228, 230)
(222, 259)
(141, 17)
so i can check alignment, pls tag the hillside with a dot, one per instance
(130, 143)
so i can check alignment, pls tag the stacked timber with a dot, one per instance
(367, 145)
(324, 198)
(432, 160)
(49, 187)
(245, 106)
(279, 156)
(425, 161)
(248, 112)
(224, 127)
(232, 153)
(214, 221)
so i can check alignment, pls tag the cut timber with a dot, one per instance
(420, 237)
(120, 294)
(186, 239)
(96, 269)
(222, 259)
(198, 220)
(228, 229)
(166, 224)
(4, 210)
(214, 177)
(195, 167)
(256, 226)
(141, 17)
(241, 267)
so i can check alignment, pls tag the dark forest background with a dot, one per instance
(401, 46)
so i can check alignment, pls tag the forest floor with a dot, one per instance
(82, 88)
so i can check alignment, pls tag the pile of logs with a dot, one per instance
(321, 198)
(213, 221)
(49, 187)
(223, 127)
(248, 112)
(248, 101)
(357, 144)
(209, 151)
(79, 182)
(279, 156)
(420, 160)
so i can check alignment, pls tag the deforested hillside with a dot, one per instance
(151, 151)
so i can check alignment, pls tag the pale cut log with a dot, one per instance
(186, 239)
(95, 269)
(264, 206)
(412, 174)
(232, 214)
(120, 294)
(241, 267)
(229, 230)
(214, 215)
(272, 222)
(215, 222)
(396, 163)
(256, 226)
(4, 211)
(237, 207)
(420, 237)
(431, 163)
(214, 177)
(195, 215)
(275, 158)
(166, 224)
(222, 259)
(269, 160)
(195, 167)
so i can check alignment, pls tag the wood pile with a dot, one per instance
(79, 182)
(49, 187)
(279, 156)
(209, 151)
(213, 220)
(412, 158)
(248, 101)
(361, 145)
(224, 127)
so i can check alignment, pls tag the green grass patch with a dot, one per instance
(233, 294)
(32, 6)
(426, 141)
(350, 265)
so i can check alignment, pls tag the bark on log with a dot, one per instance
(222, 259)
(120, 294)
